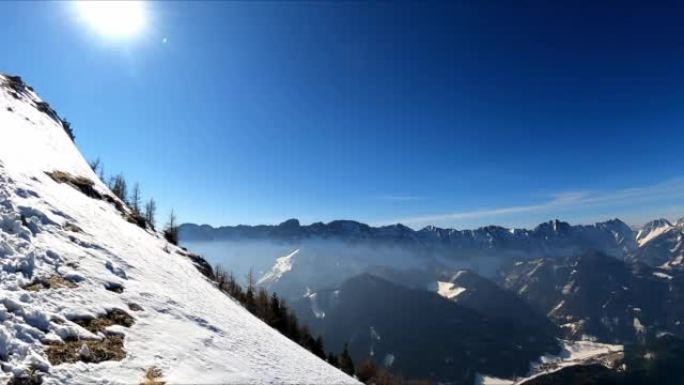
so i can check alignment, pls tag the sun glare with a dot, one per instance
(118, 19)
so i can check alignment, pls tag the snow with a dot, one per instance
(662, 275)
(187, 328)
(638, 326)
(389, 360)
(315, 309)
(281, 266)
(644, 236)
(449, 290)
(557, 307)
(481, 379)
(572, 353)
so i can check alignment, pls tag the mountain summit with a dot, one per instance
(88, 297)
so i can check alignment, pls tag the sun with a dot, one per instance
(118, 19)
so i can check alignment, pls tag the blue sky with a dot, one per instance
(453, 113)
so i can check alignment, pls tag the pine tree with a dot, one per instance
(291, 325)
(318, 348)
(276, 314)
(262, 305)
(67, 128)
(333, 360)
(345, 361)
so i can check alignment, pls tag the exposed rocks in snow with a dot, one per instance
(200, 263)
(114, 286)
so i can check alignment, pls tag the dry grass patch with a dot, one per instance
(153, 376)
(86, 186)
(100, 324)
(80, 183)
(52, 282)
(32, 377)
(109, 348)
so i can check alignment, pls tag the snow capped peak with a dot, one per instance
(77, 277)
(652, 230)
(654, 224)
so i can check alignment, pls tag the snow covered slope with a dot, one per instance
(73, 270)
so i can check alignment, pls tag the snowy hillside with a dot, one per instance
(86, 296)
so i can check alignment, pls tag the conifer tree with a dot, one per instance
(345, 361)
(332, 359)
(318, 348)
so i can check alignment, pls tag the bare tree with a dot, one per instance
(171, 229)
(94, 164)
(101, 173)
(135, 199)
(118, 186)
(150, 212)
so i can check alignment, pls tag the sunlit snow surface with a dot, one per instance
(643, 237)
(187, 328)
(449, 290)
(281, 266)
(573, 353)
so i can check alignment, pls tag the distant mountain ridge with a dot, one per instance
(613, 237)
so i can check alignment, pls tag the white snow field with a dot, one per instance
(573, 353)
(186, 328)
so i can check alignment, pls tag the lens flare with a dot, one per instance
(118, 19)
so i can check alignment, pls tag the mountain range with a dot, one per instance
(365, 286)
(614, 237)
(326, 254)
